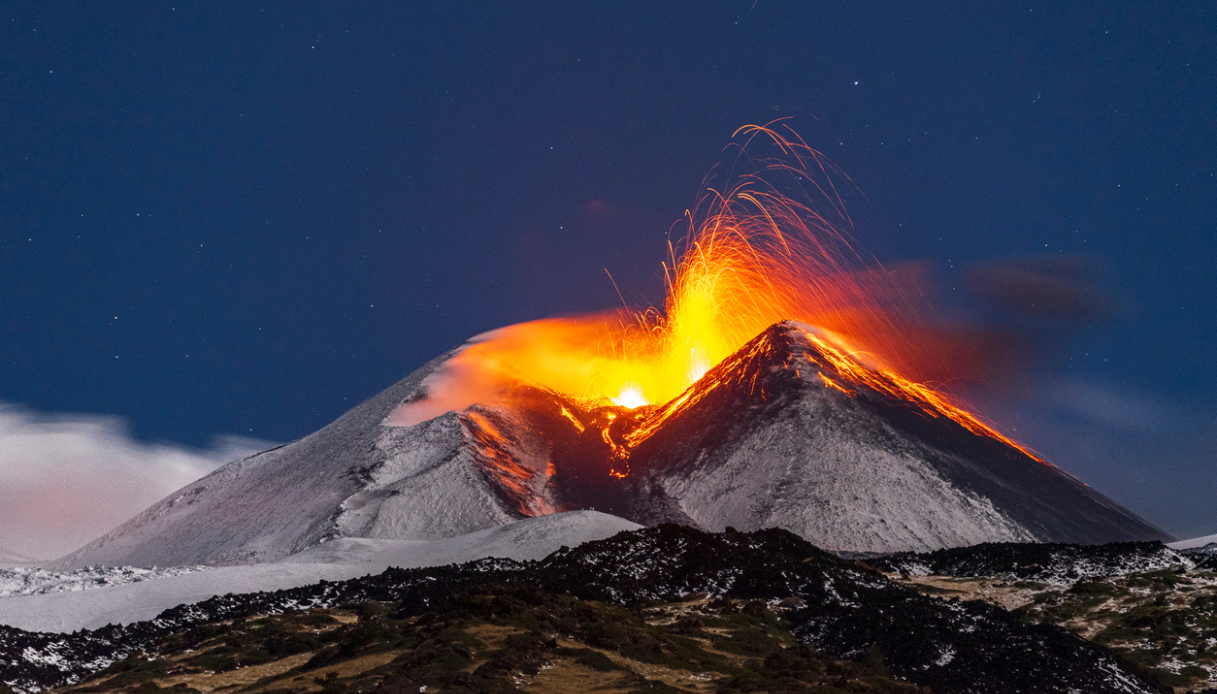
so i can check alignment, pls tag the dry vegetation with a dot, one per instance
(1164, 622)
(502, 642)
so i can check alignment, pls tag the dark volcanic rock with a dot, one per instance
(847, 610)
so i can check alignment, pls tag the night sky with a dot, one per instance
(245, 218)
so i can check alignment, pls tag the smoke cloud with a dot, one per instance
(66, 479)
(1070, 288)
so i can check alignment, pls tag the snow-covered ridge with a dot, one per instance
(34, 581)
(1194, 543)
(1054, 564)
(340, 559)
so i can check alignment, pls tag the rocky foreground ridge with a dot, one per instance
(806, 613)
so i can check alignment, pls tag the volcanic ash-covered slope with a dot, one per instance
(789, 433)
(354, 478)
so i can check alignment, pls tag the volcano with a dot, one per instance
(712, 412)
(788, 432)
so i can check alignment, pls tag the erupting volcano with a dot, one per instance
(768, 241)
(785, 383)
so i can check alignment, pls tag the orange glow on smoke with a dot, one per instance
(769, 244)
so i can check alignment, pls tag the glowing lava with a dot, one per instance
(769, 244)
(630, 397)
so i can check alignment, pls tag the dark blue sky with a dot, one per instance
(246, 217)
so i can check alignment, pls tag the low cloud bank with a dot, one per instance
(66, 479)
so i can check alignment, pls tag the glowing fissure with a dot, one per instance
(494, 446)
(756, 252)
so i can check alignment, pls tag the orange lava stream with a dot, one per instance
(927, 399)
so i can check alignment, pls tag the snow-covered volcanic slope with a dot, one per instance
(354, 477)
(1195, 542)
(783, 438)
(775, 436)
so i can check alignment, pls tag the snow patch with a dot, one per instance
(35, 581)
(1194, 543)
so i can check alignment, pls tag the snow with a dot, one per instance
(35, 581)
(431, 483)
(863, 498)
(278, 502)
(1194, 543)
(359, 477)
(336, 560)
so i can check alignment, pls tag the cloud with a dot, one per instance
(66, 479)
(1153, 455)
(1110, 407)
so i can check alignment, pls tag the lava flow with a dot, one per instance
(770, 243)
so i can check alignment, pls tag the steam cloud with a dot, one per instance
(66, 479)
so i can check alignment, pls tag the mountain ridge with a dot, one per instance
(334, 449)
(839, 607)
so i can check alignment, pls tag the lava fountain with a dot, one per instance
(769, 240)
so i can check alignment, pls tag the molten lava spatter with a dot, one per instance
(769, 243)
(891, 383)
